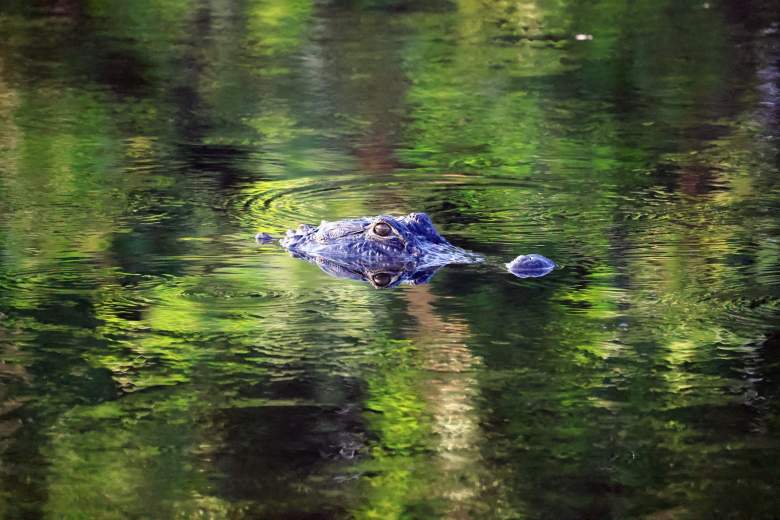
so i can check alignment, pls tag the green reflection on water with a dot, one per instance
(154, 362)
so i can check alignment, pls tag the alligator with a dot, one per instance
(387, 251)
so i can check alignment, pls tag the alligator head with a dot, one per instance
(384, 251)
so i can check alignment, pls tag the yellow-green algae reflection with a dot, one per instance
(156, 363)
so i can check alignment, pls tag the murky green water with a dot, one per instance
(156, 363)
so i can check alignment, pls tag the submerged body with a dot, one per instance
(387, 251)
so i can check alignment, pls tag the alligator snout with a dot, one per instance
(531, 266)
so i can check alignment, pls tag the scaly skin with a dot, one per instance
(387, 251)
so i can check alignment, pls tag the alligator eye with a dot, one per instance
(381, 279)
(382, 229)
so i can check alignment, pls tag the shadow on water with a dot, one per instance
(154, 362)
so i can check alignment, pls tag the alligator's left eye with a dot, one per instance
(382, 229)
(381, 279)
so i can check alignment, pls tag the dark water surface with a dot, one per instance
(156, 363)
